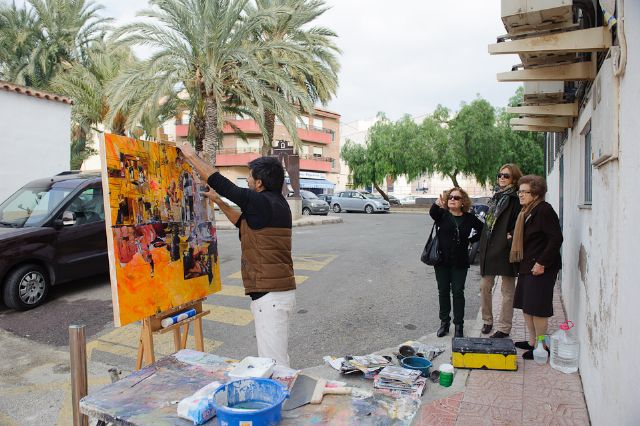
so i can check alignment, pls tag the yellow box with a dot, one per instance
(490, 354)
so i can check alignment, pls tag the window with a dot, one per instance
(88, 206)
(317, 122)
(587, 168)
(317, 151)
(250, 145)
(305, 149)
(242, 182)
(303, 122)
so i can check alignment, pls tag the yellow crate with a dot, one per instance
(484, 360)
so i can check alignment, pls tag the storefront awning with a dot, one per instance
(316, 183)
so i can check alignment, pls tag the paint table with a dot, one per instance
(150, 397)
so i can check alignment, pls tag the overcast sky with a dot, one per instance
(405, 56)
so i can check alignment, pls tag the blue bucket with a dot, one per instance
(417, 363)
(258, 401)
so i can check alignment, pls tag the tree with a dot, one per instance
(18, 38)
(312, 65)
(204, 47)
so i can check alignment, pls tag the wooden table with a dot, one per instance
(150, 397)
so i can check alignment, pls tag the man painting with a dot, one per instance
(265, 223)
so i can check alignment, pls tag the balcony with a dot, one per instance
(236, 156)
(316, 134)
(317, 164)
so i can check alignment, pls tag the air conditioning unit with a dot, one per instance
(604, 123)
(543, 92)
(530, 16)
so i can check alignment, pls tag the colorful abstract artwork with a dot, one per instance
(163, 249)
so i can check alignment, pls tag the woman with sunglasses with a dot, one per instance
(454, 224)
(537, 238)
(495, 245)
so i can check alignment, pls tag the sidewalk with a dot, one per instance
(223, 223)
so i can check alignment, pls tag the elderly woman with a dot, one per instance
(495, 245)
(537, 238)
(454, 224)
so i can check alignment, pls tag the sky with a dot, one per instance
(404, 56)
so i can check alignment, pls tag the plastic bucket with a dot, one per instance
(446, 375)
(255, 402)
(417, 363)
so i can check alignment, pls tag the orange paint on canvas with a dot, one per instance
(163, 244)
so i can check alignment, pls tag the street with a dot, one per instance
(361, 287)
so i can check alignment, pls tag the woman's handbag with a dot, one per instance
(431, 254)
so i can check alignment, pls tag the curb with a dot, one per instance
(227, 226)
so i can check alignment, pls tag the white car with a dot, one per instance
(409, 200)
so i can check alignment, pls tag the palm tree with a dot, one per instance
(205, 48)
(313, 66)
(17, 41)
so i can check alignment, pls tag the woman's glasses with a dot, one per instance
(503, 175)
(455, 197)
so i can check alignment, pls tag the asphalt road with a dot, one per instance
(362, 288)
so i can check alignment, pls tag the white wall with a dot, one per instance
(600, 285)
(34, 139)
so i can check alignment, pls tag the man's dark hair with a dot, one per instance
(269, 171)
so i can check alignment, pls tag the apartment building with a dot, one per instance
(319, 152)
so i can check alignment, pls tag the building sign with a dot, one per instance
(312, 175)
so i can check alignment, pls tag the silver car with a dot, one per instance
(358, 201)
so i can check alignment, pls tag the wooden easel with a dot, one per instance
(152, 325)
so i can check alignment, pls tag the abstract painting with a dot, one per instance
(163, 249)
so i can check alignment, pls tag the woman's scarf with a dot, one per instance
(497, 204)
(517, 245)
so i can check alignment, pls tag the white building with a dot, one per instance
(591, 172)
(34, 136)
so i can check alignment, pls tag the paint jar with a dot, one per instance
(256, 402)
(446, 375)
(417, 363)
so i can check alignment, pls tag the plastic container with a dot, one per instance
(446, 375)
(257, 402)
(252, 366)
(565, 349)
(417, 363)
(540, 354)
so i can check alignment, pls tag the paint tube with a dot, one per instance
(177, 318)
(199, 407)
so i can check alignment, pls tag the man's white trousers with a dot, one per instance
(271, 314)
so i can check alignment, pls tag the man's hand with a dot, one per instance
(213, 196)
(537, 269)
(187, 150)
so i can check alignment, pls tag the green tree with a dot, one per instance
(18, 38)
(204, 47)
(311, 65)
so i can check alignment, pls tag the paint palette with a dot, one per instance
(253, 367)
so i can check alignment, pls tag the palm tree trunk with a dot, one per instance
(270, 122)
(200, 128)
(211, 134)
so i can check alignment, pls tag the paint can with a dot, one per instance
(417, 363)
(255, 402)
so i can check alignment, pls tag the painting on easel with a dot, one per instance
(161, 232)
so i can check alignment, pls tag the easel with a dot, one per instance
(152, 325)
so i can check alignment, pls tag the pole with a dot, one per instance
(78, 352)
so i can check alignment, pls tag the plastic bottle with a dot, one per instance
(565, 349)
(540, 354)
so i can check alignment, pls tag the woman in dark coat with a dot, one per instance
(454, 224)
(495, 245)
(537, 238)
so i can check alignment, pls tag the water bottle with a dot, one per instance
(540, 354)
(565, 349)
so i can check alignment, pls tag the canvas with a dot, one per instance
(161, 232)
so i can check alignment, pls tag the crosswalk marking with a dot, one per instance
(231, 290)
(312, 262)
(228, 315)
(300, 279)
(237, 276)
(124, 341)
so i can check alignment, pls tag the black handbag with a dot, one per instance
(431, 254)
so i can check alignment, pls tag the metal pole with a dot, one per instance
(78, 352)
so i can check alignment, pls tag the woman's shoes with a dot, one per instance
(528, 354)
(524, 345)
(458, 330)
(444, 329)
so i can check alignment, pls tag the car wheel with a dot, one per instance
(368, 209)
(336, 208)
(306, 211)
(26, 287)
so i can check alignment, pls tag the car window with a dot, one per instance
(30, 206)
(88, 206)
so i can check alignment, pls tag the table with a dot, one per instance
(150, 397)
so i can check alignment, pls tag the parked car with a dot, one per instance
(358, 201)
(408, 200)
(480, 210)
(51, 231)
(394, 201)
(326, 198)
(311, 204)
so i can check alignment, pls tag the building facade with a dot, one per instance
(592, 159)
(34, 135)
(319, 152)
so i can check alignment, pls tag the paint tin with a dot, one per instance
(417, 363)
